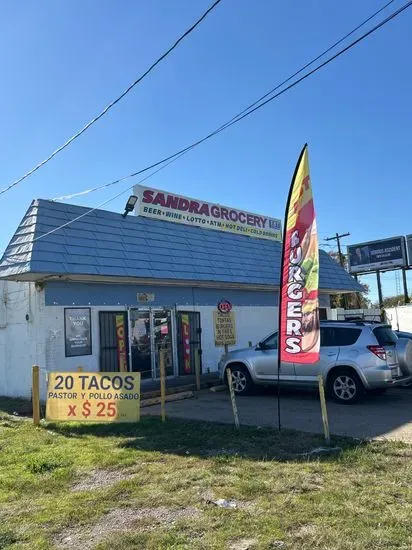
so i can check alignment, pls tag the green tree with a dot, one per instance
(355, 300)
(392, 301)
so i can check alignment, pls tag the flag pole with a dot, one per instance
(282, 261)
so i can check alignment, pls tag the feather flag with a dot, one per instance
(299, 335)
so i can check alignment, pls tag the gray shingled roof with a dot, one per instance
(105, 244)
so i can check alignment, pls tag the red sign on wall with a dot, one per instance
(121, 343)
(224, 306)
(186, 343)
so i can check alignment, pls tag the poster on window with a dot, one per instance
(77, 332)
(186, 343)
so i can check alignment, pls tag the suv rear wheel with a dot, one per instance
(345, 386)
(241, 379)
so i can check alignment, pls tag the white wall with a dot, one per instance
(252, 324)
(339, 314)
(18, 349)
(400, 317)
(37, 339)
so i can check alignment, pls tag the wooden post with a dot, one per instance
(232, 397)
(35, 395)
(197, 369)
(162, 384)
(324, 409)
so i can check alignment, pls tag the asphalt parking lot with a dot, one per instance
(387, 416)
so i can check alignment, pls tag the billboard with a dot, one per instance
(377, 255)
(409, 245)
(162, 205)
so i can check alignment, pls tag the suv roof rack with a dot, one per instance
(344, 321)
(354, 321)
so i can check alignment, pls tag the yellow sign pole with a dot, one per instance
(324, 409)
(162, 384)
(35, 395)
(232, 397)
(197, 369)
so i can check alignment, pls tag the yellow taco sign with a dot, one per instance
(93, 397)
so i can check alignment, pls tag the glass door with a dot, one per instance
(162, 330)
(150, 331)
(141, 342)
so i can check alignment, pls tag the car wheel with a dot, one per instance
(345, 387)
(241, 379)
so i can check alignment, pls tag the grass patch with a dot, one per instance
(150, 486)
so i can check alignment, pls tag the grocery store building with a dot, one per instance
(105, 291)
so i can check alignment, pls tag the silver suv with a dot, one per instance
(354, 357)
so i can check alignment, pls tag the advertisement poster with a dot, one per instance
(375, 255)
(186, 343)
(93, 397)
(77, 332)
(299, 307)
(225, 328)
(121, 342)
(162, 205)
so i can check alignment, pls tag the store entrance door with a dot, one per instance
(189, 341)
(114, 353)
(151, 330)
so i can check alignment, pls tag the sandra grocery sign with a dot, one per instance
(162, 205)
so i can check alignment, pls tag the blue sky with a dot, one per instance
(62, 62)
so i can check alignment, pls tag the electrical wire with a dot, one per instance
(257, 104)
(171, 158)
(96, 207)
(113, 103)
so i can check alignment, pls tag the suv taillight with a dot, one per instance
(379, 351)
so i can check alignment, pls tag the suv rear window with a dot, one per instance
(338, 336)
(385, 336)
(346, 336)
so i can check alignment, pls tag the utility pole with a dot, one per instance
(337, 238)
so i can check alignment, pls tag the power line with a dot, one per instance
(114, 102)
(257, 104)
(100, 205)
(313, 60)
(171, 158)
(337, 238)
